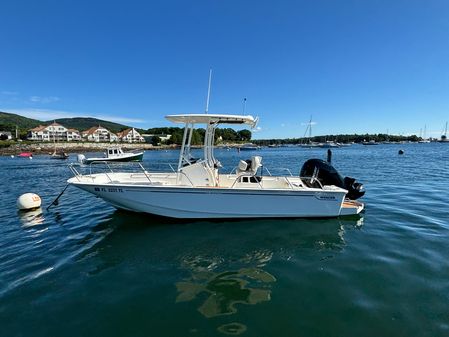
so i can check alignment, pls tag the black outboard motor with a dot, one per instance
(328, 175)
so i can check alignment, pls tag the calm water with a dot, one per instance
(86, 269)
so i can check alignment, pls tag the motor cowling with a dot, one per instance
(328, 175)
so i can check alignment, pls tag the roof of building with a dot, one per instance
(93, 129)
(72, 130)
(124, 132)
(38, 128)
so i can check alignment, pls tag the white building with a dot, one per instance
(53, 132)
(130, 136)
(6, 134)
(99, 134)
(73, 134)
(149, 137)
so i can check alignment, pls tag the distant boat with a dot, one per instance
(60, 155)
(25, 155)
(113, 154)
(56, 155)
(328, 145)
(249, 147)
(444, 136)
(424, 139)
(371, 142)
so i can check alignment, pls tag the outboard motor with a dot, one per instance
(328, 175)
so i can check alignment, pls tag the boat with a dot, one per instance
(424, 139)
(58, 155)
(197, 188)
(249, 147)
(371, 142)
(113, 154)
(444, 136)
(309, 143)
(328, 145)
(25, 155)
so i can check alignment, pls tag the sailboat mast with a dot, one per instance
(310, 128)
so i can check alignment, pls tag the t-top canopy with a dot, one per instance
(212, 119)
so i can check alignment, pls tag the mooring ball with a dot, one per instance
(28, 201)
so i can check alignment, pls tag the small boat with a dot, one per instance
(328, 145)
(197, 188)
(60, 155)
(249, 147)
(444, 138)
(25, 155)
(113, 154)
(371, 142)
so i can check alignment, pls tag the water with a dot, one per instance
(86, 269)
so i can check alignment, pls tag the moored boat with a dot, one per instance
(113, 154)
(25, 155)
(197, 189)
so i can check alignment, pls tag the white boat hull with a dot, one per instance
(210, 202)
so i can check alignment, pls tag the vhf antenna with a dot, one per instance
(208, 91)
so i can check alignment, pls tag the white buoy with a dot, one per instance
(29, 201)
(12, 156)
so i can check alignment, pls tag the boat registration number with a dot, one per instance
(103, 189)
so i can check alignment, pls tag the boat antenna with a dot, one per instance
(244, 105)
(208, 91)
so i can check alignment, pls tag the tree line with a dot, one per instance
(225, 135)
(339, 138)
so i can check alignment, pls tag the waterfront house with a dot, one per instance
(73, 135)
(53, 132)
(99, 134)
(130, 136)
(149, 137)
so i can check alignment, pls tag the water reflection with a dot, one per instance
(31, 218)
(219, 282)
(246, 285)
(221, 267)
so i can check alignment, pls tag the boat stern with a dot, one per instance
(351, 207)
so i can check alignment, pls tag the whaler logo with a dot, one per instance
(325, 196)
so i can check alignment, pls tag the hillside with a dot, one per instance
(84, 123)
(9, 121)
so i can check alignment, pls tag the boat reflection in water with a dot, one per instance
(219, 285)
(247, 285)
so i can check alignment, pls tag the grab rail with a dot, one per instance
(246, 175)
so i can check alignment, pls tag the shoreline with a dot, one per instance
(81, 147)
(47, 148)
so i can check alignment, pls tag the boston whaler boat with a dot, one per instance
(197, 189)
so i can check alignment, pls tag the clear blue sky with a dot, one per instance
(356, 66)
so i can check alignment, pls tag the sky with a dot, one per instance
(355, 66)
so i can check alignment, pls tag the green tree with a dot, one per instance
(155, 140)
(244, 135)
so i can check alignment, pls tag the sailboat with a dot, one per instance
(424, 138)
(444, 136)
(309, 143)
(56, 155)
